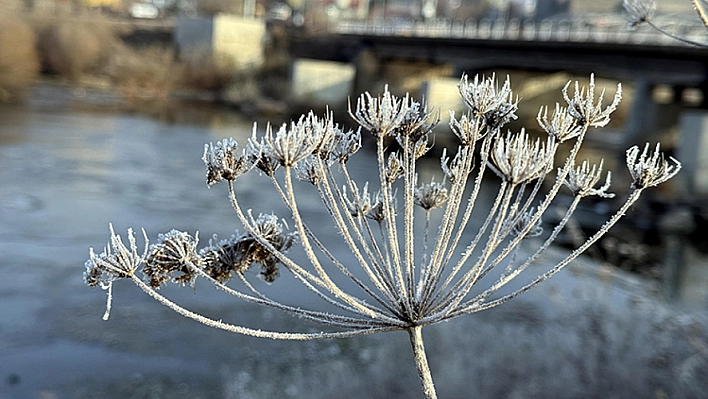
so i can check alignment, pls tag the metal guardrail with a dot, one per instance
(591, 30)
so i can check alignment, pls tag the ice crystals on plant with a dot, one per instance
(467, 129)
(649, 170)
(292, 143)
(486, 99)
(115, 262)
(525, 222)
(223, 163)
(581, 180)
(174, 252)
(382, 114)
(430, 195)
(562, 125)
(361, 204)
(517, 160)
(639, 11)
(585, 109)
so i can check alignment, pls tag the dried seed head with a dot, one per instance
(650, 170)
(562, 126)
(223, 163)
(325, 131)
(431, 195)
(115, 262)
(467, 129)
(517, 160)
(293, 142)
(308, 170)
(581, 180)
(524, 223)
(496, 106)
(639, 11)
(174, 252)
(377, 213)
(223, 257)
(583, 107)
(361, 204)
(453, 170)
(273, 231)
(346, 145)
(414, 125)
(394, 167)
(413, 132)
(260, 154)
(382, 114)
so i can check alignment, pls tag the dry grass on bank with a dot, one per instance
(81, 49)
(72, 48)
(19, 62)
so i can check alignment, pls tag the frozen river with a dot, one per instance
(65, 174)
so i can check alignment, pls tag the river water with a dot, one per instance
(66, 171)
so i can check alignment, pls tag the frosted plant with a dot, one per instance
(641, 12)
(403, 277)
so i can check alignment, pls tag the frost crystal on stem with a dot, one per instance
(649, 170)
(390, 276)
(585, 110)
(582, 179)
(639, 11)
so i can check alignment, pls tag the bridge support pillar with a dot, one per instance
(642, 118)
(693, 151)
(320, 84)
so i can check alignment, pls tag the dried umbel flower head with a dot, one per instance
(259, 154)
(115, 262)
(415, 125)
(527, 226)
(585, 109)
(581, 180)
(454, 170)
(516, 159)
(494, 106)
(222, 161)
(174, 252)
(639, 11)
(431, 195)
(345, 145)
(562, 125)
(394, 167)
(308, 170)
(467, 129)
(382, 114)
(361, 203)
(399, 273)
(649, 170)
(292, 143)
(221, 258)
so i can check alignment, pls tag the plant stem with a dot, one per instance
(421, 362)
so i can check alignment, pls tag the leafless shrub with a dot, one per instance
(71, 48)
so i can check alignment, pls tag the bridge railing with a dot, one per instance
(599, 30)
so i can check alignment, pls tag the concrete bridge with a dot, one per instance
(599, 44)
(595, 44)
